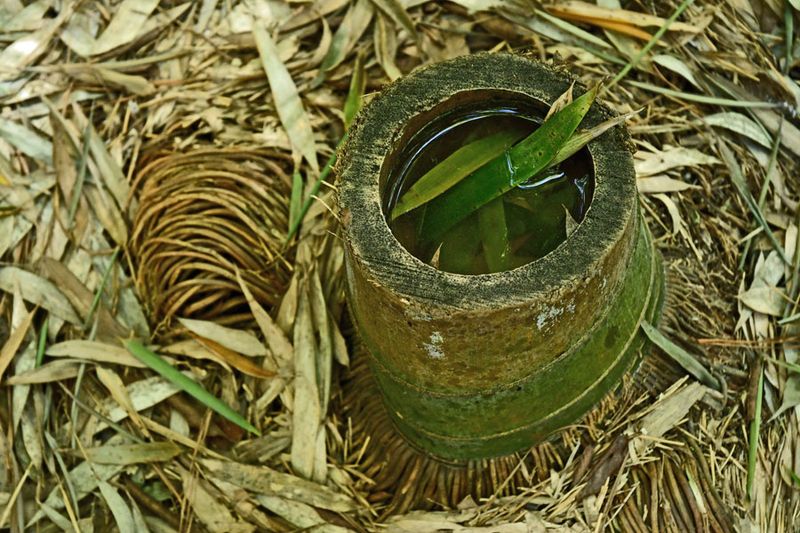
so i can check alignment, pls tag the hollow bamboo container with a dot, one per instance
(486, 365)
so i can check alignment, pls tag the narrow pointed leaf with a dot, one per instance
(582, 138)
(287, 100)
(532, 155)
(681, 356)
(561, 102)
(177, 378)
(357, 83)
(454, 168)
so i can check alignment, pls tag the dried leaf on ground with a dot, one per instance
(234, 339)
(261, 479)
(287, 100)
(128, 454)
(38, 291)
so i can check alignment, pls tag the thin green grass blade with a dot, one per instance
(78, 188)
(352, 106)
(744, 191)
(295, 200)
(454, 168)
(156, 363)
(494, 235)
(40, 347)
(650, 44)
(762, 196)
(755, 429)
(702, 98)
(357, 84)
(100, 288)
(681, 356)
(785, 364)
(529, 157)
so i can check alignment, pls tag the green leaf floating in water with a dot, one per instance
(494, 235)
(504, 172)
(454, 168)
(177, 378)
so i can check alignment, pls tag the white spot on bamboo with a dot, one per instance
(547, 315)
(434, 348)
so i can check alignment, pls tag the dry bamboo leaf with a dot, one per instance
(48, 373)
(287, 100)
(339, 344)
(660, 184)
(129, 454)
(237, 340)
(287, 311)
(324, 356)
(27, 49)
(119, 509)
(79, 33)
(687, 360)
(571, 29)
(95, 74)
(143, 394)
(307, 415)
(211, 512)
(676, 65)
(767, 300)
(276, 339)
(635, 18)
(38, 291)
(193, 349)
(14, 342)
(108, 171)
(395, 10)
(95, 351)
(772, 121)
(28, 18)
(84, 479)
(416, 522)
(667, 412)
(628, 46)
(237, 361)
(129, 20)
(108, 329)
(606, 467)
(651, 163)
(26, 141)
(561, 102)
(385, 42)
(113, 383)
(298, 514)
(107, 212)
(767, 275)
(742, 124)
(678, 225)
(348, 33)
(25, 362)
(263, 480)
(474, 6)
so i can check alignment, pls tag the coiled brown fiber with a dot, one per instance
(204, 215)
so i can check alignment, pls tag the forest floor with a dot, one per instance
(110, 113)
